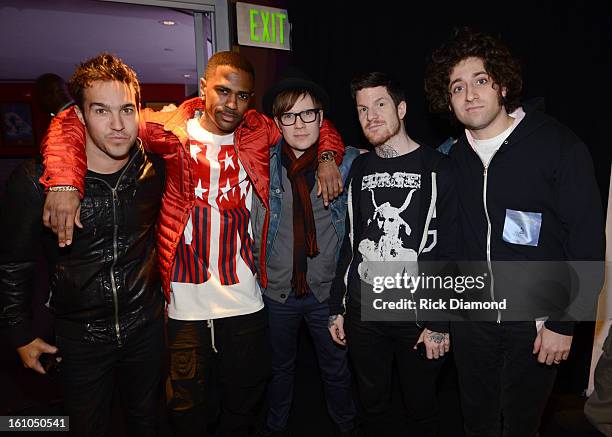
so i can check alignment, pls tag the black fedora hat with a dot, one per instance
(291, 79)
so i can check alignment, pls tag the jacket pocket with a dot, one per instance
(521, 227)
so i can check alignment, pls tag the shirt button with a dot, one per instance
(283, 295)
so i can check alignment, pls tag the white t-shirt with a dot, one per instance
(214, 269)
(487, 148)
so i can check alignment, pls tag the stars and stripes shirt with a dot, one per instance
(214, 270)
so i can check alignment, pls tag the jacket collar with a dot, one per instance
(129, 172)
(175, 121)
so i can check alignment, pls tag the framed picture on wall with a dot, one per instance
(16, 125)
(157, 106)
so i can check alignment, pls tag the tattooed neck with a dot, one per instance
(386, 151)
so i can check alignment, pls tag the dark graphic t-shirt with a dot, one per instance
(390, 198)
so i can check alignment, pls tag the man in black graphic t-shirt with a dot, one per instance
(388, 232)
(401, 210)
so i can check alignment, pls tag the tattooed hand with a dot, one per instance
(386, 151)
(436, 343)
(436, 337)
(335, 324)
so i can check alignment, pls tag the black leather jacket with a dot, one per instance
(106, 284)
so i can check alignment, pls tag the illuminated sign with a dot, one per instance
(262, 26)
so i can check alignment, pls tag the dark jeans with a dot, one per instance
(284, 321)
(230, 382)
(373, 346)
(503, 388)
(89, 373)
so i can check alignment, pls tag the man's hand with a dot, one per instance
(551, 347)
(330, 181)
(31, 352)
(168, 108)
(61, 211)
(436, 343)
(335, 325)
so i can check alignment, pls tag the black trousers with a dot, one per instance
(89, 373)
(228, 384)
(373, 347)
(503, 388)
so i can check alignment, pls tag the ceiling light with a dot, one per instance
(168, 22)
(187, 76)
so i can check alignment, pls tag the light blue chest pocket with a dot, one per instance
(522, 227)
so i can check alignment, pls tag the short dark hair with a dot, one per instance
(105, 67)
(503, 68)
(377, 78)
(285, 100)
(231, 59)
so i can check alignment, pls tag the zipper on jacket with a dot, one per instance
(181, 159)
(484, 201)
(115, 249)
(350, 236)
(112, 269)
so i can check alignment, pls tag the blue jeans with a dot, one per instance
(284, 322)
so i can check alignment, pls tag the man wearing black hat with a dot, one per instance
(303, 243)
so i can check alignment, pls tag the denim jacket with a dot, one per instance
(337, 206)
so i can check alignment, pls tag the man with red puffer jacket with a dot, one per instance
(217, 156)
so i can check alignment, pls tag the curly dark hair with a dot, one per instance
(498, 62)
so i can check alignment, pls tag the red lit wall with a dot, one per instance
(24, 93)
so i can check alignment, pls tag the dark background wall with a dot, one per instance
(564, 48)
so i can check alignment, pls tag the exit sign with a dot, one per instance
(262, 26)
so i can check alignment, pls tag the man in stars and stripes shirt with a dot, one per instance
(217, 155)
(217, 241)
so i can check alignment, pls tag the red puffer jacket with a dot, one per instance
(165, 133)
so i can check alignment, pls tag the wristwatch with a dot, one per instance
(327, 156)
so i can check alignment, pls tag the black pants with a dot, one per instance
(89, 373)
(372, 348)
(229, 383)
(503, 388)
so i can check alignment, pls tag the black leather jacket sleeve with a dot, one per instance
(20, 236)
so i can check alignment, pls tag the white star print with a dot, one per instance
(244, 188)
(194, 150)
(225, 190)
(228, 161)
(199, 191)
